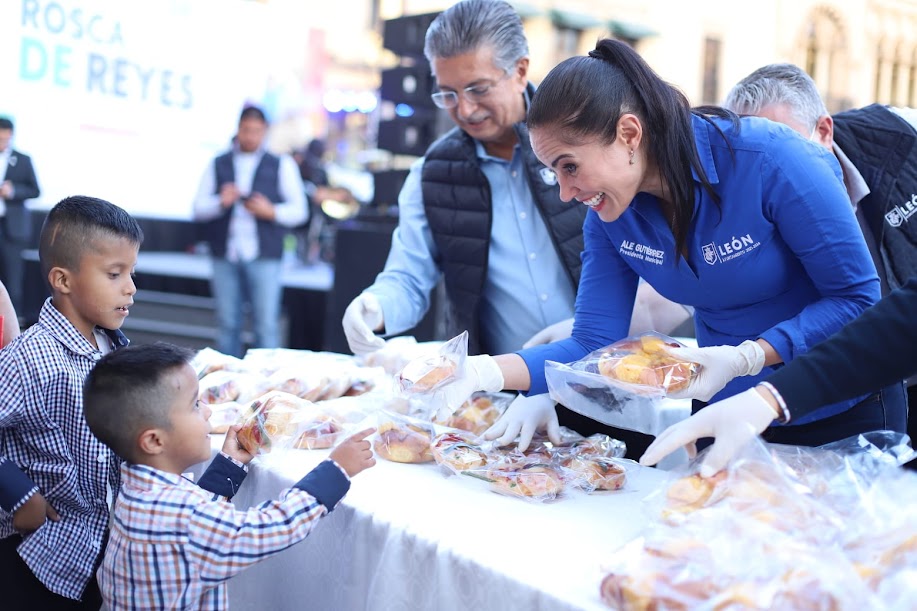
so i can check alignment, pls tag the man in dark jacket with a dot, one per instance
(876, 147)
(18, 183)
(478, 209)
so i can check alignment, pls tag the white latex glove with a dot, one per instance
(556, 332)
(361, 318)
(718, 366)
(481, 373)
(522, 418)
(732, 422)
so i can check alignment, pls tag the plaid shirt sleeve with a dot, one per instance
(15, 486)
(222, 541)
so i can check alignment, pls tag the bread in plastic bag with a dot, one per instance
(276, 420)
(403, 439)
(642, 365)
(479, 413)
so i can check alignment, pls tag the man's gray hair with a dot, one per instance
(778, 84)
(471, 25)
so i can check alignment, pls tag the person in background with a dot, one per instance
(247, 201)
(10, 329)
(142, 402)
(18, 183)
(873, 351)
(876, 147)
(739, 218)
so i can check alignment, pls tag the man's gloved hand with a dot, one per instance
(556, 332)
(361, 319)
(523, 417)
(481, 373)
(732, 422)
(718, 366)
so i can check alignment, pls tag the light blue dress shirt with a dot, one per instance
(527, 287)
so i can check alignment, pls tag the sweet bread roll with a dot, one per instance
(219, 387)
(597, 472)
(529, 480)
(690, 493)
(458, 452)
(268, 418)
(475, 416)
(320, 434)
(424, 375)
(647, 363)
(404, 442)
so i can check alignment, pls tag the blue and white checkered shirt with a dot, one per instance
(46, 446)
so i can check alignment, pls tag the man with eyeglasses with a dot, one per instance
(478, 209)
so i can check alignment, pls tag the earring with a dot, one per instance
(632, 156)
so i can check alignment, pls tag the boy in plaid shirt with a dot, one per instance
(56, 479)
(172, 544)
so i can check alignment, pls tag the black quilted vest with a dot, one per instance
(266, 182)
(882, 147)
(457, 202)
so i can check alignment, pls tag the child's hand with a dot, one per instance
(354, 453)
(232, 447)
(33, 514)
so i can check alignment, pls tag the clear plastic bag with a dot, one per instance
(478, 413)
(436, 380)
(208, 360)
(403, 439)
(278, 420)
(595, 386)
(223, 386)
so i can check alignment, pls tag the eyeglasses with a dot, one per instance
(474, 94)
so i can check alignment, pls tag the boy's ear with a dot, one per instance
(60, 280)
(151, 442)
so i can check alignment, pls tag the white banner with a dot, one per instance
(128, 100)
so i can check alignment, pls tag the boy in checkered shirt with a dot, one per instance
(172, 544)
(56, 479)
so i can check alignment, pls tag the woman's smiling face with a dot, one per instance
(601, 176)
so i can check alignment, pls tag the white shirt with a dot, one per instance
(242, 241)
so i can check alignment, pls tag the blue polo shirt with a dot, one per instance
(779, 257)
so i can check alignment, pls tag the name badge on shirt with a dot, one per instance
(635, 250)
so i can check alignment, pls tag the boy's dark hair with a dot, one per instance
(73, 226)
(124, 394)
(252, 112)
(6, 124)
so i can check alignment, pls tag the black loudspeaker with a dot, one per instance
(410, 85)
(386, 187)
(361, 249)
(405, 35)
(409, 135)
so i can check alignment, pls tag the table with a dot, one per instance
(407, 537)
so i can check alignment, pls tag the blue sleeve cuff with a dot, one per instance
(781, 342)
(15, 486)
(327, 483)
(223, 477)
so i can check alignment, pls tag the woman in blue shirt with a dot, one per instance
(740, 218)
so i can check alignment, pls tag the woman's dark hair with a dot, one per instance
(584, 97)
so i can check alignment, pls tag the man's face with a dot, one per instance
(495, 103)
(6, 136)
(251, 134)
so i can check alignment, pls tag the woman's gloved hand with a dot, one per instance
(523, 417)
(732, 422)
(718, 366)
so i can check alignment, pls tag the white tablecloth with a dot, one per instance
(406, 537)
